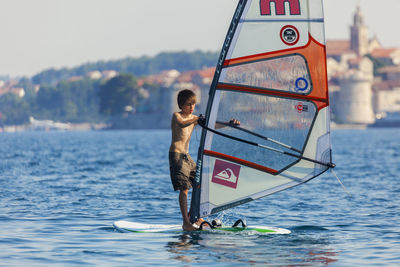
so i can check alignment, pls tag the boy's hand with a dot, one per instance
(201, 120)
(234, 122)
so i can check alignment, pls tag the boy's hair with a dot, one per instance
(184, 96)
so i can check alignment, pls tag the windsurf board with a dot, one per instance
(126, 226)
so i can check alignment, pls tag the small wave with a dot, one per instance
(87, 169)
(105, 228)
(101, 252)
(343, 225)
(104, 162)
(309, 228)
(33, 163)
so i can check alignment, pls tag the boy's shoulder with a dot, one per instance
(176, 115)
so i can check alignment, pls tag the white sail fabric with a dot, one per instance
(271, 76)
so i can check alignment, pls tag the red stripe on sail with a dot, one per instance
(315, 53)
(240, 161)
(319, 102)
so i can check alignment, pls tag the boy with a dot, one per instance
(181, 165)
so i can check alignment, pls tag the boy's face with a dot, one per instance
(189, 106)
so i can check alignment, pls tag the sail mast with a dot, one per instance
(195, 201)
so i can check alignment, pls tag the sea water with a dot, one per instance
(61, 191)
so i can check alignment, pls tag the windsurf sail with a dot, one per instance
(271, 76)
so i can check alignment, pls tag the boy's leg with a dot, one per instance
(187, 226)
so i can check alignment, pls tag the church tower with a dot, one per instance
(359, 34)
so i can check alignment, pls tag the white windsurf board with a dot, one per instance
(125, 226)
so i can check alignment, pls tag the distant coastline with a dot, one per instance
(145, 125)
(72, 127)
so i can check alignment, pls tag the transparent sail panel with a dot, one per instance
(285, 120)
(288, 73)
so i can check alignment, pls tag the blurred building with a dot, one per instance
(358, 93)
(161, 105)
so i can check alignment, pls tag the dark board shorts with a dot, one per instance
(182, 169)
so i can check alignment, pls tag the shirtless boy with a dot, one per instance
(181, 165)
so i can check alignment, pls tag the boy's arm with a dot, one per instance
(185, 122)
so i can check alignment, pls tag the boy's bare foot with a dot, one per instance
(188, 227)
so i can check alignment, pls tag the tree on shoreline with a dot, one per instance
(119, 94)
(14, 110)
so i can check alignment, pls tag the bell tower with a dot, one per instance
(359, 34)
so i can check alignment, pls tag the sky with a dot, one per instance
(42, 34)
